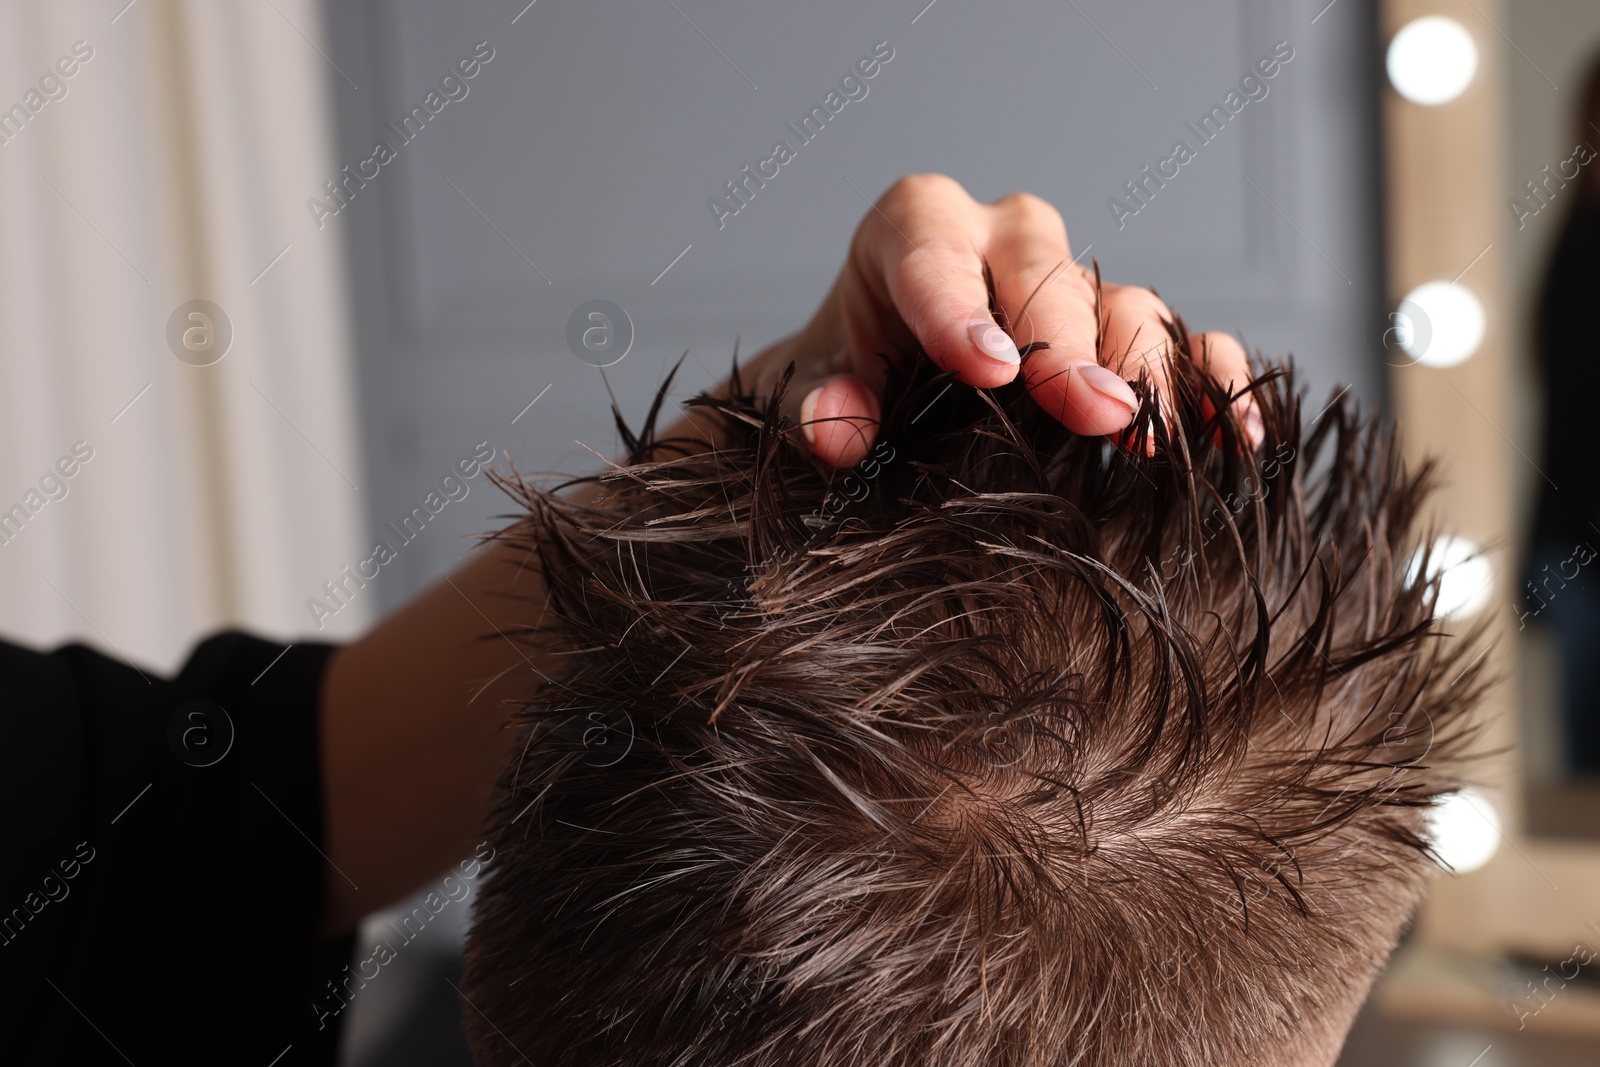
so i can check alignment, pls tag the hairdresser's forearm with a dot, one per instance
(412, 718)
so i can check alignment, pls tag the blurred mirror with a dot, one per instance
(1552, 247)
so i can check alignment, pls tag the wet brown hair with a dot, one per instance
(1008, 747)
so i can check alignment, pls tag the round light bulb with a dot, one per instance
(1439, 324)
(1432, 60)
(1466, 577)
(1464, 830)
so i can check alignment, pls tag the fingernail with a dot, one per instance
(993, 342)
(1254, 429)
(1107, 384)
(808, 409)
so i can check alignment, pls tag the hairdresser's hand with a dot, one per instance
(914, 276)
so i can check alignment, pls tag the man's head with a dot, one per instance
(1006, 748)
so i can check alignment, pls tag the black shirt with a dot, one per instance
(1569, 372)
(161, 883)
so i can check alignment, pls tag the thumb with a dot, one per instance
(839, 416)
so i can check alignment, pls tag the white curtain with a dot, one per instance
(153, 154)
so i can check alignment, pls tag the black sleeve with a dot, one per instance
(1564, 329)
(163, 870)
(1569, 374)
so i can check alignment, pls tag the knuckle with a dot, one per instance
(936, 272)
(1142, 303)
(1217, 347)
(905, 276)
(1031, 208)
(1036, 270)
(912, 188)
(912, 198)
(909, 281)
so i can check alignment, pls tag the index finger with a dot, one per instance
(918, 255)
